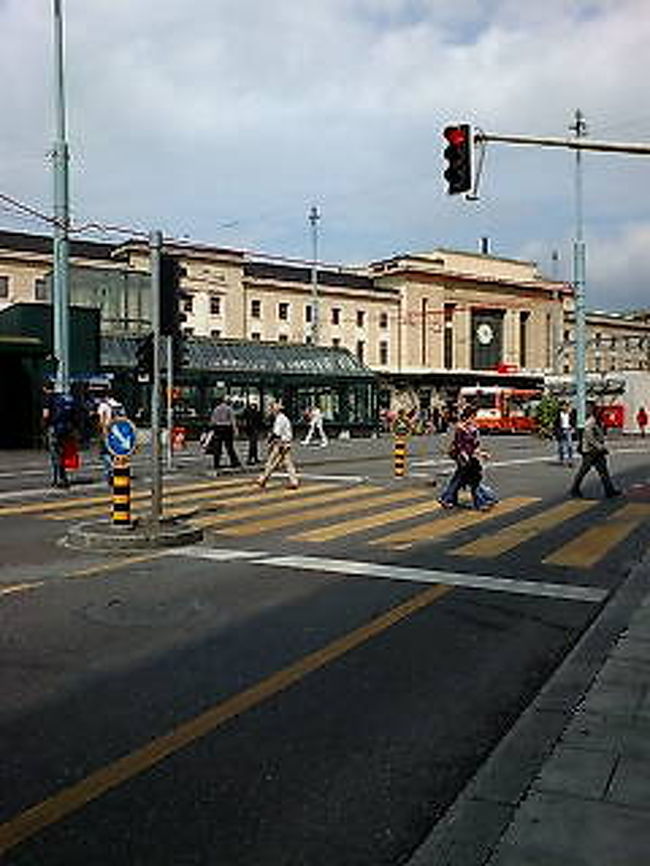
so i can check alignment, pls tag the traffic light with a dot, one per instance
(459, 155)
(180, 351)
(144, 354)
(172, 296)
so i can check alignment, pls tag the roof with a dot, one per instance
(206, 354)
(25, 242)
(296, 274)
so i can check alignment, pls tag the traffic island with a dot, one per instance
(140, 534)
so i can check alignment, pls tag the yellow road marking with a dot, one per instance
(517, 533)
(290, 500)
(21, 587)
(445, 526)
(70, 504)
(240, 492)
(592, 545)
(30, 822)
(359, 524)
(357, 503)
(114, 564)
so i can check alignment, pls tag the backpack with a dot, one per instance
(62, 414)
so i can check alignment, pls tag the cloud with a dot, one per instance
(210, 112)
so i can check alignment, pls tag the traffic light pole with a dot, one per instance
(155, 246)
(579, 143)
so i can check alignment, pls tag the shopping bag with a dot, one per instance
(70, 457)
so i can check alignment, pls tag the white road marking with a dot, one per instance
(515, 586)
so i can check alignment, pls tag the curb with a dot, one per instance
(140, 535)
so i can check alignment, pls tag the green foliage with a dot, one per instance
(547, 412)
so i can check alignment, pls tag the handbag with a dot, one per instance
(70, 458)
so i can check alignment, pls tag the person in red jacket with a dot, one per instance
(642, 420)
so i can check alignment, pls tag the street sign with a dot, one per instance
(121, 437)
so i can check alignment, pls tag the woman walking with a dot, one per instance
(466, 451)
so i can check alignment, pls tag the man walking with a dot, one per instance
(279, 449)
(564, 435)
(253, 424)
(594, 455)
(642, 419)
(315, 426)
(224, 426)
(58, 419)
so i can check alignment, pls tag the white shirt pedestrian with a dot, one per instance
(315, 426)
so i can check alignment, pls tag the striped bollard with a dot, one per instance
(399, 455)
(121, 491)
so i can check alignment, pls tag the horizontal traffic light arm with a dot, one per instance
(569, 143)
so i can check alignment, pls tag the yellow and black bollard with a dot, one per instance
(401, 430)
(121, 491)
(399, 455)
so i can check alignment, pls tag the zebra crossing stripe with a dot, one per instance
(515, 534)
(442, 527)
(596, 542)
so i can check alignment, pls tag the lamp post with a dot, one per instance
(60, 273)
(579, 271)
(314, 216)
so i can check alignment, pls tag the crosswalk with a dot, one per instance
(335, 510)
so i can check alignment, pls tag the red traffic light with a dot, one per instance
(456, 135)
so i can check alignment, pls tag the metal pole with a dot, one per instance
(631, 147)
(579, 279)
(60, 274)
(155, 245)
(169, 364)
(314, 216)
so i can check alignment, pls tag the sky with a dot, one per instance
(225, 121)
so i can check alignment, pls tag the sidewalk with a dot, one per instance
(570, 783)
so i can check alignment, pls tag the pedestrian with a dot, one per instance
(58, 419)
(315, 426)
(564, 435)
(466, 451)
(280, 440)
(642, 419)
(224, 429)
(108, 409)
(253, 423)
(594, 455)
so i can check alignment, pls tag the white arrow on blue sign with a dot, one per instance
(121, 437)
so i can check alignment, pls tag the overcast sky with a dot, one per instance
(225, 120)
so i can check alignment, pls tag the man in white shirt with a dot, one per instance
(279, 449)
(315, 425)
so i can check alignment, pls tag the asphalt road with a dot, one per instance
(315, 682)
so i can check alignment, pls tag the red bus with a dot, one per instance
(511, 410)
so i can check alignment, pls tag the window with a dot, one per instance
(448, 337)
(283, 311)
(256, 309)
(309, 339)
(336, 315)
(188, 332)
(383, 353)
(215, 334)
(215, 305)
(188, 304)
(40, 290)
(361, 318)
(361, 348)
(336, 342)
(256, 336)
(308, 309)
(4, 287)
(283, 338)
(383, 320)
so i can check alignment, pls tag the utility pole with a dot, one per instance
(579, 279)
(60, 273)
(314, 216)
(155, 248)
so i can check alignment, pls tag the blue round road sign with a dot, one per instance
(121, 437)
